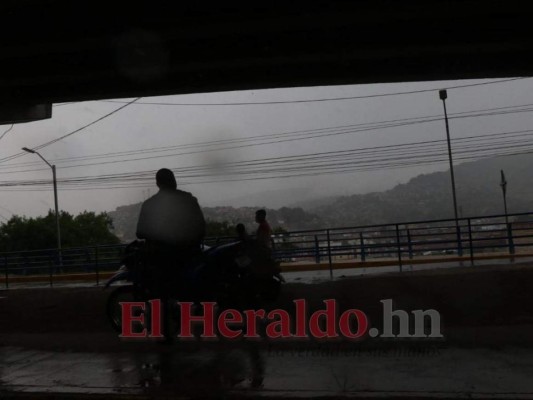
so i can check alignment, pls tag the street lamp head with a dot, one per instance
(443, 94)
(28, 150)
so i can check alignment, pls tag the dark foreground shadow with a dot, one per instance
(204, 373)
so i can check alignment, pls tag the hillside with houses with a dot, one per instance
(425, 197)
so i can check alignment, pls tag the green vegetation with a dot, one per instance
(85, 229)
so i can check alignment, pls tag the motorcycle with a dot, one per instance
(235, 275)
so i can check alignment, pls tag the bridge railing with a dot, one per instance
(56, 264)
(409, 242)
(401, 243)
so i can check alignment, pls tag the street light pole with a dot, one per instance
(58, 230)
(443, 95)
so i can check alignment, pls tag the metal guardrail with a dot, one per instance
(407, 241)
(402, 242)
(82, 260)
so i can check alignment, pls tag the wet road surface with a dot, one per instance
(59, 341)
(448, 372)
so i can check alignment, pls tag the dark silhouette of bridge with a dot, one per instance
(60, 51)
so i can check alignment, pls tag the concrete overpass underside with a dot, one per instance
(63, 50)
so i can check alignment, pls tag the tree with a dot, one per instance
(85, 229)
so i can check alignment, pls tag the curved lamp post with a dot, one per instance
(443, 95)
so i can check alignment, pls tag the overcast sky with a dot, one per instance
(143, 126)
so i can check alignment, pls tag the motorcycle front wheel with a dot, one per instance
(113, 308)
(128, 293)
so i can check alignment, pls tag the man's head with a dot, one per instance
(260, 216)
(165, 179)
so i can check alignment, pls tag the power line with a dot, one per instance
(312, 134)
(71, 133)
(338, 171)
(323, 99)
(414, 120)
(294, 135)
(340, 129)
(9, 158)
(86, 126)
(7, 131)
(405, 156)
